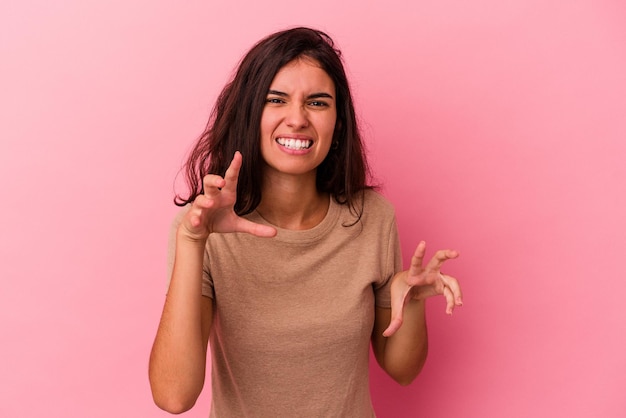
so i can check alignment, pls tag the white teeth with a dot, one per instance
(295, 144)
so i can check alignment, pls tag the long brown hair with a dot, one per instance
(234, 124)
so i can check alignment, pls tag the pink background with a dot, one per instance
(497, 128)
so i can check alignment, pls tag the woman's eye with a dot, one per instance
(274, 100)
(318, 104)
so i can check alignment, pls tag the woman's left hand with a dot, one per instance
(423, 282)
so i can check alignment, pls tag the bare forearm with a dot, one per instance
(405, 351)
(178, 358)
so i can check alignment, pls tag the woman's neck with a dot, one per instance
(292, 202)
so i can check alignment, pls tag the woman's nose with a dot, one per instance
(296, 117)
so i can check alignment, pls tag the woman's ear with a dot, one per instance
(338, 126)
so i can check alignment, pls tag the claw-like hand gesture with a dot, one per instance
(214, 211)
(422, 282)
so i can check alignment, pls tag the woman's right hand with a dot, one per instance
(214, 211)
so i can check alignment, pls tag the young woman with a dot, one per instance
(283, 257)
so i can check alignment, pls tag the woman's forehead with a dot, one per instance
(302, 73)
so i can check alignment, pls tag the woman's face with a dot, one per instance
(298, 119)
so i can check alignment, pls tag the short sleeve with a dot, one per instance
(207, 282)
(392, 264)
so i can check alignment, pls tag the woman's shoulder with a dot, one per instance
(375, 202)
(178, 217)
(370, 207)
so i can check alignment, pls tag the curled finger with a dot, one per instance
(453, 284)
(447, 293)
(441, 257)
(212, 184)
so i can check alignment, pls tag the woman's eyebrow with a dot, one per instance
(277, 93)
(310, 96)
(319, 95)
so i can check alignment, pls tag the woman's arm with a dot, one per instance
(400, 338)
(403, 354)
(178, 358)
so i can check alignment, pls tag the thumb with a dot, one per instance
(394, 325)
(397, 310)
(259, 230)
